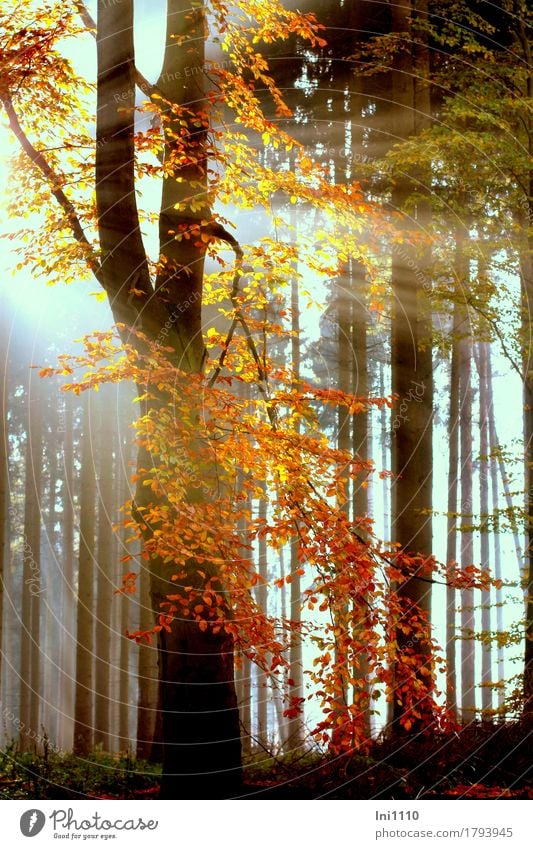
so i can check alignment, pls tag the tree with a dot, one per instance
(192, 426)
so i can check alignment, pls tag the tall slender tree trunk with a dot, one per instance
(104, 576)
(31, 575)
(359, 447)
(68, 594)
(84, 695)
(486, 646)
(261, 594)
(468, 679)
(451, 539)
(295, 724)
(493, 441)
(4, 481)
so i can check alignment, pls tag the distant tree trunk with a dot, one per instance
(451, 544)
(31, 576)
(84, 696)
(468, 699)
(411, 344)
(384, 432)
(493, 440)
(359, 447)
(245, 682)
(104, 571)
(4, 479)
(295, 724)
(261, 594)
(526, 275)
(486, 646)
(344, 429)
(68, 595)
(50, 673)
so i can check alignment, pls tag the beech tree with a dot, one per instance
(193, 429)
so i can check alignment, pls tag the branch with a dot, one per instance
(54, 181)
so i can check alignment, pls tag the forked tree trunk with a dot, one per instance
(200, 724)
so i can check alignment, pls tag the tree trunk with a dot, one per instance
(468, 679)
(411, 350)
(147, 672)
(202, 750)
(493, 441)
(31, 576)
(84, 696)
(486, 646)
(261, 596)
(359, 448)
(68, 593)
(104, 576)
(4, 480)
(295, 723)
(451, 544)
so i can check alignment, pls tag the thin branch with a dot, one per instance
(54, 182)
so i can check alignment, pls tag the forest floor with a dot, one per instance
(480, 762)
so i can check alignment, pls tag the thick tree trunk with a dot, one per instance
(147, 672)
(411, 349)
(200, 724)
